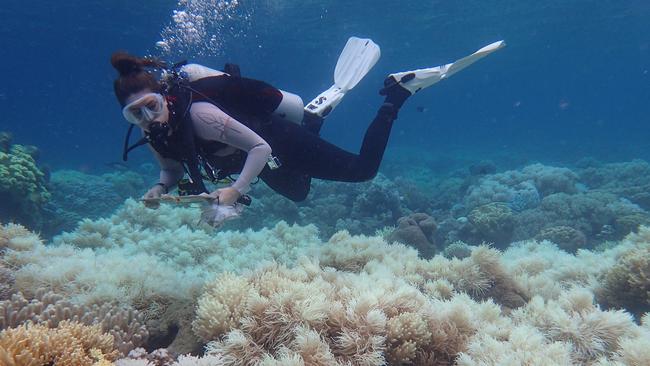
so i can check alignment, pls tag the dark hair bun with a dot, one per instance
(125, 64)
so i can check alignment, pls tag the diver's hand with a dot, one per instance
(155, 192)
(226, 196)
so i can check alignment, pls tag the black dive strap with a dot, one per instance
(127, 149)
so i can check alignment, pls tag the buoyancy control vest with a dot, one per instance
(252, 102)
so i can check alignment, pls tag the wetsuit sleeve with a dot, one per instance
(171, 171)
(211, 123)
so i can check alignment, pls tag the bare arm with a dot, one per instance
(211, 123)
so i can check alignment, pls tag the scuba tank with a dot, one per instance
(291, 107)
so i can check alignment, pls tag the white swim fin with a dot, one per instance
(357, 58)
(416, 80)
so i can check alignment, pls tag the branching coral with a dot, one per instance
(48, 309)
(70, 343)
(332, 318)
(17, 237)
(574, 319)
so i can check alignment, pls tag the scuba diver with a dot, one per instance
(209, 124)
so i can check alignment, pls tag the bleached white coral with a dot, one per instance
(524, 345)
(168, 256)
(574, 319)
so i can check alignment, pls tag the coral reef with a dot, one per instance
(630, 180)
(77, 196)
(416, 230)
(627, 283)
(283, 296)
(7, 283)
(521, 189)
(566, 237)
(70, 343)
(49, 309)
(493, 223)
(316, 316)
(360, 208)
(370, 303)
(542, 199)
(23, 190)
(170, 262)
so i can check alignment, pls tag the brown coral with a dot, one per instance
(50, 310)
(417, 230)
(69, 344)
(566, 237)
(627, 283)
(493, 222)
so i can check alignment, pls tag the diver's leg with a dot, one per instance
(293, 185)
(312, 122)
(302, 151)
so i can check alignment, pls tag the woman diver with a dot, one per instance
(211, 124)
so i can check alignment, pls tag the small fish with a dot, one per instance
(117, 165)
(421, 109)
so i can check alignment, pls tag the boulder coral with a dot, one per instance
(521, 189)
(416, 230)
(566, 237)
(627, 284)
(492, 223)
(23, 190)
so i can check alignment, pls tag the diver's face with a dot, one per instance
(145, 108)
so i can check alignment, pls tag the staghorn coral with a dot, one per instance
(125, 325)
(70, 343)
(457, 249)
(502, 288)
(362, 301)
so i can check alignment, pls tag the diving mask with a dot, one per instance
(144, 109)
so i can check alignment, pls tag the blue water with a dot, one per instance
(573, 81)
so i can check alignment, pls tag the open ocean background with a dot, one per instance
(573, 81)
